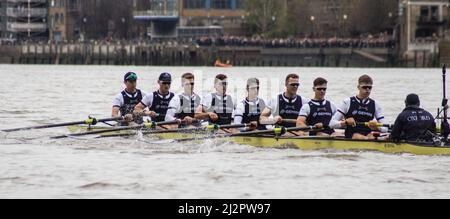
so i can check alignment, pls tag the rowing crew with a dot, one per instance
(359, 115)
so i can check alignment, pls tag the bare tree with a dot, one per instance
(263, 16)
(373, 15)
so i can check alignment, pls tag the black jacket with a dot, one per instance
(414, 124)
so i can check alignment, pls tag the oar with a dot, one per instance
(147, 125)
(277, 132)
(210, 128)
(378, 124)
(288, 121)
(90, 121)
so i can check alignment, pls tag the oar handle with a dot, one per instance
(378, 124)
(273, 122)
(233, 126)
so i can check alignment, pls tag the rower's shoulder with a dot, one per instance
(331, 103)
(143, 93)
(304, 99)
(348, 100)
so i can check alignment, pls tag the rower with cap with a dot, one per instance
(125, 101)
(249, 110)
(360, 114)
(414, 123)
(319, 111)
(285, 106)
(184, 105)
(217, 107)
(157, 102)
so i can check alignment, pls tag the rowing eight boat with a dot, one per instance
(303, 143)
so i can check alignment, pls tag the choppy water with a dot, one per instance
(32, 166)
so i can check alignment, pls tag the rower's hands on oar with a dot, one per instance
(373, 125)
(128, 117)
(188, 120)
(278, 120)
(213, 117)
(350, 122)
(151, 114)
(252, 126)
(319, 126)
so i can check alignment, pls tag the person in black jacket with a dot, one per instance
(414, 123)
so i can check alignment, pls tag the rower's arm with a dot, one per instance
(304, 113)
(174, 108)
(139, 108)
(301, 121)
(380, 118)
(117, 102)
(201, 114)
(338, 119)
(115, 112)
(265, 116)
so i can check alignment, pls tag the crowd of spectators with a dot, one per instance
(364, 41)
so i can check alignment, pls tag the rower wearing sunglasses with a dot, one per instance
(285, 106)
(217, 107)
(125, 101)
(158, 102)
(356, 111)
(249, 110)
(184, 105)
(319, 111)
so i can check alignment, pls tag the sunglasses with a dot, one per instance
(166, 83)
(367, 87)
(295, 85)
(186, 84)
(321, 89)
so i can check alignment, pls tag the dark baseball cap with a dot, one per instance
(166, 77)
(130, 76)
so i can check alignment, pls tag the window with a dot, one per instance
(194, 4)
(434, 13)
(240, 4)
(221, 4)
(424, 11)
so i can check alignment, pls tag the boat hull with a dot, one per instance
(344, 144)
(303, 143)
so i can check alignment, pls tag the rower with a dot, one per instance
(249, 110)
(184, 105)
(356, 111)
(319, 111)
(414, 123)
(158, 102)
(125, 101)
(286, 105)
(217, 107)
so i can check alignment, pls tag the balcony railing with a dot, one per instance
(25, 27)
(25, 12)
(26, 1)
(156, 13)
(425, 20)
